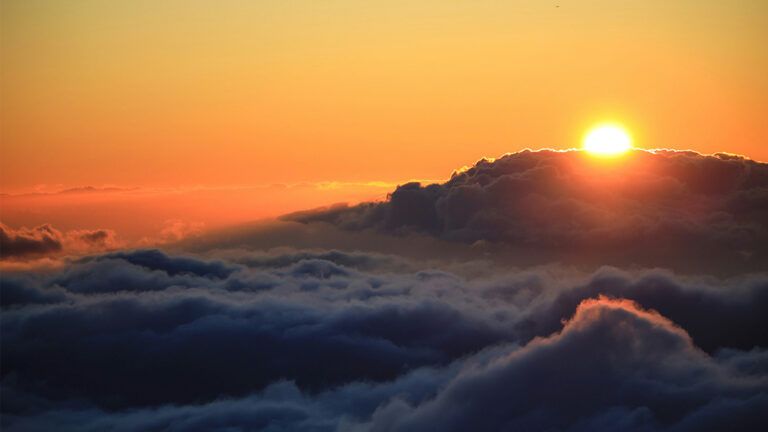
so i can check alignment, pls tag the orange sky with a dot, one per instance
(165, 214)
(182, 93)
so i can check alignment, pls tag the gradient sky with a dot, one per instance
(295, 215)
(150, 94)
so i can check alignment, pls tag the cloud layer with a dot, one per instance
(328, 340)
(479, 304)
(650, 208)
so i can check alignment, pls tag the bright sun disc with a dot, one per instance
(607, 140)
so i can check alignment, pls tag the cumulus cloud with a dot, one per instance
(314, 322)
(40, 240)
(91, 240)
(650, 208)
(175, 229)
(613, 366)
(327, 340)
(45, 240)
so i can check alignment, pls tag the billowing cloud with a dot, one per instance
(40, 240)
(329, 340)
(91, 240)
(662, 208)
(483, 303)
(45, 240)
(613, 366)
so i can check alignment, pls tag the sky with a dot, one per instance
(174, 98)
(400, 216)
(185, 93)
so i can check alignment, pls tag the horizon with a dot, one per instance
(68, 208)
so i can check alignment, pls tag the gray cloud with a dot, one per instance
(667, 208)
(326, 340)
(612, 367)
(45, 240)
(625, 369)
(40, 240)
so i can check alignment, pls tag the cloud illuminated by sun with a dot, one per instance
(607, 140)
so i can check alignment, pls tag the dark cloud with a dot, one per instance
(96, 238)
(664, 208)
(22, 291)
(612, 367)
(715, 314)
(153, 259)
(138, 320)
(327, 340)
(357, 260)
(45, 240)
(23, 242)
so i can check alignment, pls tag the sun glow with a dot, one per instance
(607, 140)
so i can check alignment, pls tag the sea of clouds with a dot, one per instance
(509, 298)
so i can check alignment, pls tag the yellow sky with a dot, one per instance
(158, 93)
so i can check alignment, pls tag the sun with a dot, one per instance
(607, 140)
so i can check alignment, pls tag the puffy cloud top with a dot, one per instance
(327, 340)
(46, 240)
(40, 240)
(649, 208)
(613, 366)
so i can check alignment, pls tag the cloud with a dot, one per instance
(480, 303)
(626, 369)
(91, 240)
(175, 229)
(325, 339)
(662, 208)
(45, 240)
(314, 322)
(715, 313)
(40, 240)
(153, 259)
